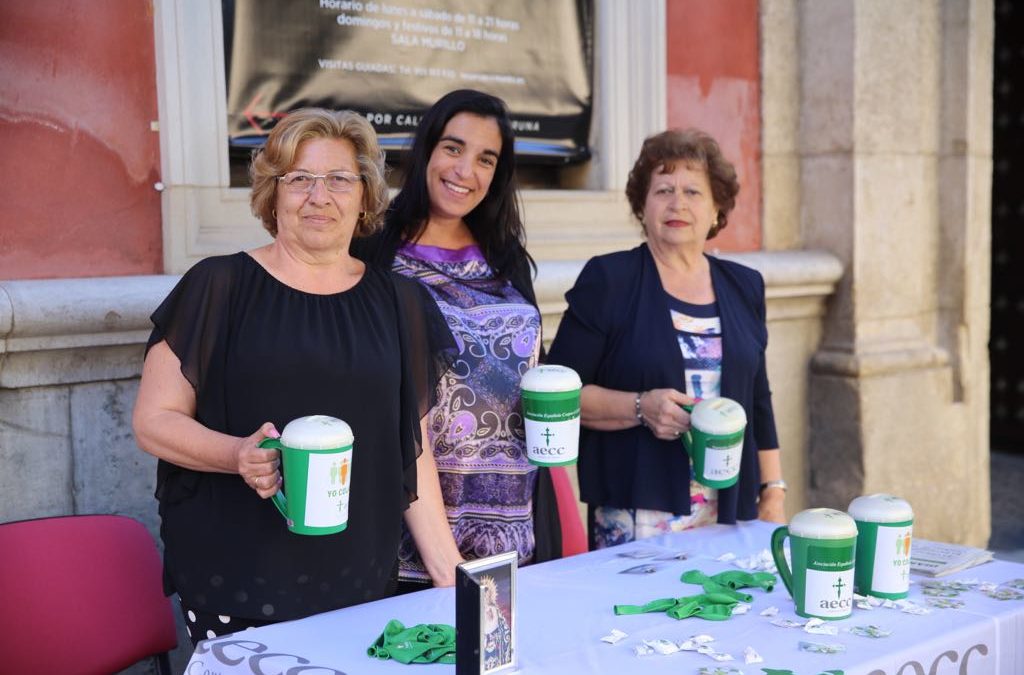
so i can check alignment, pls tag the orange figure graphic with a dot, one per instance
(344, 472)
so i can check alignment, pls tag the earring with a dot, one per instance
(362, 216)
(273, 213)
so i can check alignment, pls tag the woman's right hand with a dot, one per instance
(663, 412)
(260, 467)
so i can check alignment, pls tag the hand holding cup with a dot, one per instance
(259, 467)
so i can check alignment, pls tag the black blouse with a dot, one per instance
(257, 350)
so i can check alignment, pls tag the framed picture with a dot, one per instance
(485, 615)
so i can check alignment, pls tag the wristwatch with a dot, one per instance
(774, 484)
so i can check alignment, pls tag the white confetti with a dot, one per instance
(726, 557)
(688, 646)
(759, 562)
(770, 611)
(615, 636)
(750, 656)
(662, 646)
(819, 627)
(719, 656)
(987, 586)
(642, 650)
(909, 607)
(787, 623)
(740, 608)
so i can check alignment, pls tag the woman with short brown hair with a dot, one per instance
(656, 328)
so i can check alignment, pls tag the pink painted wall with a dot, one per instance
(79, 159)
(714, 84)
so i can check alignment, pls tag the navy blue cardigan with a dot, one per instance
(617, 334)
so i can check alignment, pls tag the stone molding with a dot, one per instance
(64, 331)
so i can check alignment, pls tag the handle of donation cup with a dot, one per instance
(715, 440)
(316, 463)
(551, 415)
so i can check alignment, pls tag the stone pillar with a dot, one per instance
(895, 164)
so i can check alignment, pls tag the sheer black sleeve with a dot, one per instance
(428, 350)
(193, 319)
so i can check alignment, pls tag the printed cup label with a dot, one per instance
(722, 462)
(552, 442)
(552, 421)
(327, 489)
(891, 572)
(828, 591)
(546, 408)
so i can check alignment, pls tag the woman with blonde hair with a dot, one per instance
(247, 342)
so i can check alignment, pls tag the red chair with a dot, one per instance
(574, 536)
(81, 594)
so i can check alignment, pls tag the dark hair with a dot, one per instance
(691, 147)
(495, 223)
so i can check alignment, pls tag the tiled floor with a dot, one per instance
(1007, 540)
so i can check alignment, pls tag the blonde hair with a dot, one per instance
(304, 124)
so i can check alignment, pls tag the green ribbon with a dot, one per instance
(710, 606)
(715, 603)
(728, 582)
(423, 643)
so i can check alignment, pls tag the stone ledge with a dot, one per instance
(881, 360)
(62, 331)
(787, 274)
(66, 331)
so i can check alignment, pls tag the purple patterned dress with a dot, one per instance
(476, 428)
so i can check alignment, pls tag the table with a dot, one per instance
(565, 607)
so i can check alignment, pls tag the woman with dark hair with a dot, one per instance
(655, 328)
(455, 227)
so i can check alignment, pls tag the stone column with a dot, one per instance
(895, 164)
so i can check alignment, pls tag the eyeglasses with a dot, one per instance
(300, 182)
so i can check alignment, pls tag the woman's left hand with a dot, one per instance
(772, 505)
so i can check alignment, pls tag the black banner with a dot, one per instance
(391, 59)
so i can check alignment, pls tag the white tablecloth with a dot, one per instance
(565, 607)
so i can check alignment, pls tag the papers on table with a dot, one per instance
(936, 559)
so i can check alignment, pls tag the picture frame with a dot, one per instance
(485, 615)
